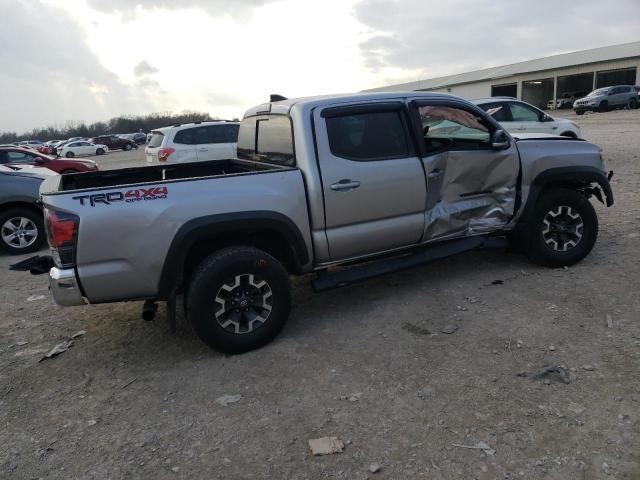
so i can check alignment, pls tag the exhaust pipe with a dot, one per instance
(149, 310)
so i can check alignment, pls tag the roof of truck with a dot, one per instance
(285, 106)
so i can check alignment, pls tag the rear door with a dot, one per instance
(501, 113)
(372, 179)
(183, 145)
(211, 143)
(471, 188)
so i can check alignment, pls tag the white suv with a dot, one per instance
(517, 116)
(193, 142)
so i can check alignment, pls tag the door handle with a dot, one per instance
(344, 185)
(203, 149)
(434, 174)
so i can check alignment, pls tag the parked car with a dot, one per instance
(76, 139)
(114, 142)
(193, 142)
(603, 99)
(23, 156)
(21, 220)
(30, 143)
(517, 116)
(376, 183)
(637, 89)
(74, 149)
(138, 138)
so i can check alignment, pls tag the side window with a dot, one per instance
(267, 139)
(184, 137)
(451, 128)
(19, 157)
(231, 133)
(499, 111)
(209, 134)
(368, 136)
(523, 113)
(4, 157)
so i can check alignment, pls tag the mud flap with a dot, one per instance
(37, 265)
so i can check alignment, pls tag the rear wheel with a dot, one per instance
(579, 112)
(563, 228)
(633, 104)
(238, 299)
(70, 155)
(127, 147)
(21, 230)
(99, 151)
(70, 171)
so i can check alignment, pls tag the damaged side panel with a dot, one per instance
(470, 192)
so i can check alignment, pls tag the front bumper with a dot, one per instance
(65, 288)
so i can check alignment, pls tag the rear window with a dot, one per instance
(184, 137)
(267, 139)
(156, 139)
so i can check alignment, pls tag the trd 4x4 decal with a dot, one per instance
(129, 196)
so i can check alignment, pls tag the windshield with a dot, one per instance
(598, 92)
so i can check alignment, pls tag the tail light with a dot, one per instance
(163, 154)
(62, 234)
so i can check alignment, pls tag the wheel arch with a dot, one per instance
(272, 232)
(576, 178)
(19, 204)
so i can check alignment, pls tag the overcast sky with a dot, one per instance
(93, 59)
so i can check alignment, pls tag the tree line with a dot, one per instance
(117, 125)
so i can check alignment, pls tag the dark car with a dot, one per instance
(24, 156)
(114, 142)
(21, 220)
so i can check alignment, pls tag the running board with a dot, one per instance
(424, 255)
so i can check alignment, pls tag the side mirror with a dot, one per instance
(500, 140)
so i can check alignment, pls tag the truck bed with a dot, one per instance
(160, 173)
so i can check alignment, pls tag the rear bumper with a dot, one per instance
(65, 288)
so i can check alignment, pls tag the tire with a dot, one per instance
(70, 155)
(579, 112)
(604, 106)
(100, 151)
(562, 229)
(127, 147)
(242, 277)
(69, 171)
(633, 104)
(568, 135)
(23, 220)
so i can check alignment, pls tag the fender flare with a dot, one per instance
(223, 224)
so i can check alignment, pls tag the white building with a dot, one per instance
(543, 79)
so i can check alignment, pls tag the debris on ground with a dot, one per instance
(91, 423)
(497, 282)
(609, 321)
(478, 446)
(78, 334)
(588, 368)
(34, 298)
(521, 374)
(554, 372)
(415, 329)
(552, 348)
(58, 349)
(326, 445)
(225, 400)
(449, 329)
(374, 468)
(129, 382)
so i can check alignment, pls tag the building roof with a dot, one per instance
(594, 55)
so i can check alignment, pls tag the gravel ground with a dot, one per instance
(367, 364)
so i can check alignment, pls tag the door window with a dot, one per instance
(267, 139)
(19, 157)
(451, 128)
(499, 111)
(368, 136)
(524, 113)
(209, 134)
(184, 137)
(231, 133)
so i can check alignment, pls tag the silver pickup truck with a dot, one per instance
(344, 187)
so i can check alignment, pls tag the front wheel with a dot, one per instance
(604, 106)
(633, 104)
(127, 147)
(562, 229)
(21, 230)
(239, 299)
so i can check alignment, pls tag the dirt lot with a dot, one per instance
(367, 364)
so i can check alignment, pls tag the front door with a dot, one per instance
(528, 119)
(471, 188)
(372, 179)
